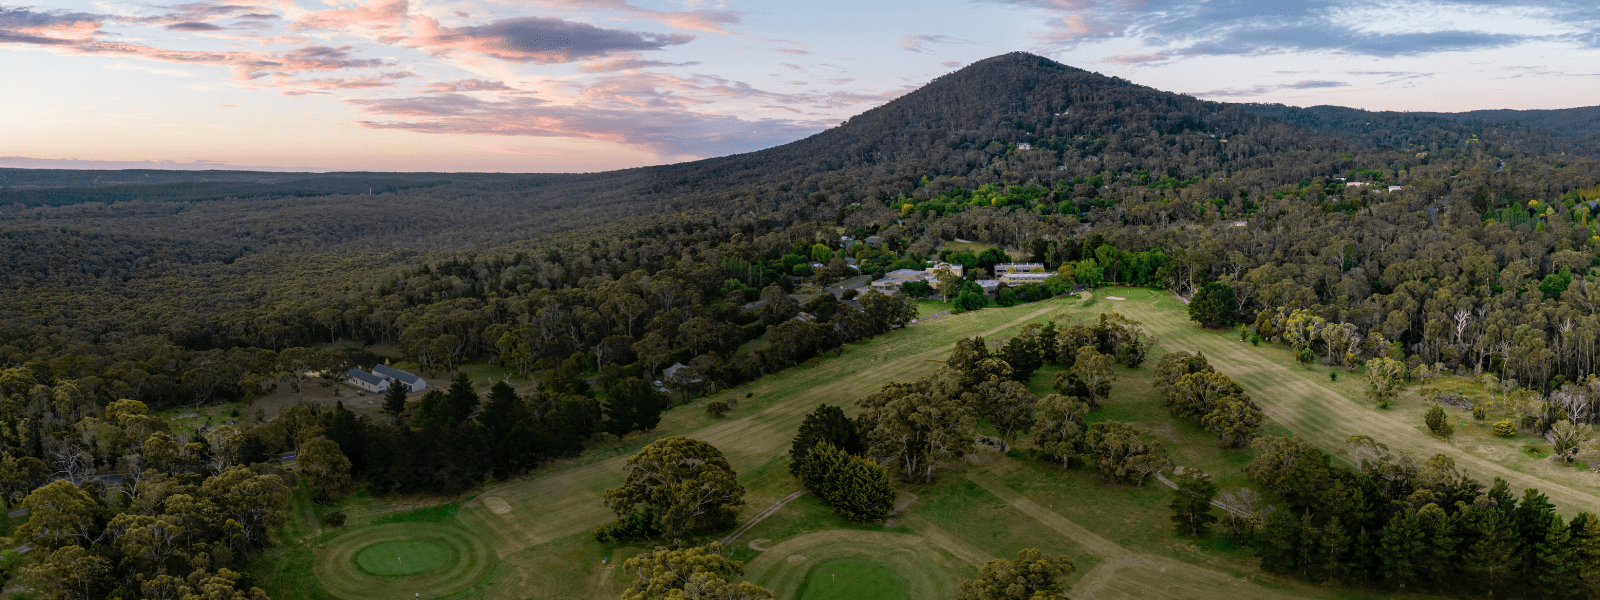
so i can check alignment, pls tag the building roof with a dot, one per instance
(1009, 277)
(365, 377)
(904, 274)
(397, 374)
(1018, 267)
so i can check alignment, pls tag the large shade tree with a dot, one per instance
(679, 485)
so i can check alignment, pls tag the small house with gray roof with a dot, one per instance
(412, 382)
(367, 381)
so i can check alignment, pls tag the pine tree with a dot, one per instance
(1438, 565)
(1212, 305)
(823, 470)
(1363, 558)
(825, 424)
(463, 399)
(1308, 547)
(1493, 556)
(1554, 575)
(632, 405)
(1402, 547)
(394, 402)
(1529, 520)
(1191, 502)
(1586, 552)
(866, 493)
(857, 488)
(1335, 547)
(1278, 542)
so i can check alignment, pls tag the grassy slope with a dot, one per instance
(1325, 412)
(1117, 535)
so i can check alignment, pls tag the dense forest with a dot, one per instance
(1457, 243)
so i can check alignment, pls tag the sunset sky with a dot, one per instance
(591, 85)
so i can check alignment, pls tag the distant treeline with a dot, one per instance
(197, 191)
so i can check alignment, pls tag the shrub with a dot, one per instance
(1505, 428)
(717, 408)
(334, 519)
(857, 488)
(1333, 375)
(849, 294)
(1439, 422)
(1479, 414)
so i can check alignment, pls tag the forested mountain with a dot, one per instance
(1148, 169)
(1450, 242)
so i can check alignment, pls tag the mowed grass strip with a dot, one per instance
(560, 502)
(1323, 412)
(928, 571)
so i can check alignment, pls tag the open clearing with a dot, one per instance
(527, 538)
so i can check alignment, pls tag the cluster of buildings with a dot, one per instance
(1011, 274)
(384, 376)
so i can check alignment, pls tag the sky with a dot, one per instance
(595, 85)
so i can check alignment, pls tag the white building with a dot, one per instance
(1021, 278)
(1019, 268)
(367, 381)
(412, 382)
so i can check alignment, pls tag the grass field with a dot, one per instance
(390, 558)
(526, 538)
(852, 579)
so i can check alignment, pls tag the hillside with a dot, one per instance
(1447, 253)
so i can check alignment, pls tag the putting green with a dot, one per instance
(403, 558)
(866, 564)
(852, 579)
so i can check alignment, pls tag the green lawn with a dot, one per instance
(1121, 538)
(407, 557)
(852, 579)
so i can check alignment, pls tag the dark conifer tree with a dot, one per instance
(825, 424)
(394, 401)
(463, 399)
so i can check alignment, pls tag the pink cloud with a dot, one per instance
(628, 64)
(375, 15)
(915, 43)
(1134, 59)
(667, 132)
(467, 85)
(22, 26)
(343, 83)
(537, 40)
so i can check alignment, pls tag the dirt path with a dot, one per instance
(1124, 574)
(1095, 544)
(728, 541)
(960, 548)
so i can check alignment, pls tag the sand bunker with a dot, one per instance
(496, 504)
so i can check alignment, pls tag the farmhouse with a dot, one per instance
(412, 382)
(367, 381)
